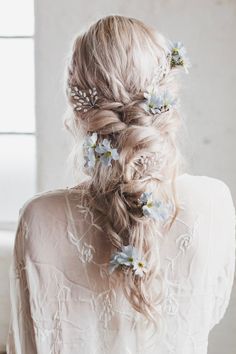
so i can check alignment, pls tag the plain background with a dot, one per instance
(207, 28)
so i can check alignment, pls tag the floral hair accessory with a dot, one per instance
(106, 152)
(155, 209)
(157, 104)
(102, 151)
(178, 56)
(89, 153)
(128, 256)
(83, 100)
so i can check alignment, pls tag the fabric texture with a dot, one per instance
(63, 301)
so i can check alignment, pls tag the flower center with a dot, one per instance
(130, 259)
(175, 51)
(140, 264)
(151, 105)
(149, 204)
(107, 154)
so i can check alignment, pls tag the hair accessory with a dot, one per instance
(84, 100)
(106, 152)
(128, 256)
(102, 151)
(157, 104)
(178, 56)
(155, 159)
(155, 209)
(89, 147)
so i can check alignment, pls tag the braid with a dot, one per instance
(141, 130)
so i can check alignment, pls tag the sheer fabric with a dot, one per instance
(63, 301)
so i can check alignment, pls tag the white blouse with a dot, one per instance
(62, 298)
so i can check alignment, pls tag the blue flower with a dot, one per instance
(103, 151)
(128, 256)
(89, 153)
(146, 198)
(90, 140)
(178, 55)
(155, 209)
(90, 158)
(106, 152)
(158, 103)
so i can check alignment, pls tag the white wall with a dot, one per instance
(207, 27)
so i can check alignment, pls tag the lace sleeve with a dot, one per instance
(224, 251)
(20, 337)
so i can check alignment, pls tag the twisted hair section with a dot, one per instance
(119, 56)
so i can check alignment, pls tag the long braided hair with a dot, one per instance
(118, 56)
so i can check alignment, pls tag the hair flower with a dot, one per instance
(102, 151)
(155, 209)
(128, 256)
(106, 152)
(178, 56)
(89, 150)
(139, 268)
(158, 103)
(91, 140)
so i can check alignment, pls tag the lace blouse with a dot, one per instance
(63, 300)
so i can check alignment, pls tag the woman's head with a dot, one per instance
(121, 58)
(119, 55)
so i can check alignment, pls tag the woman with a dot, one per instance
(139, 257)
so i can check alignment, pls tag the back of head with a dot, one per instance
(121, 84)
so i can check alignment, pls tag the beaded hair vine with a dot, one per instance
(155, 103)
(84, 100)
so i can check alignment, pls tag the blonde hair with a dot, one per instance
(119, 55)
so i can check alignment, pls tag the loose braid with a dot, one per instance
(118, 55)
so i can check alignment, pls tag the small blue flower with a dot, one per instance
(90, 140)
(90, 158)
(155, 209)
(146, 198)
(103, 151)
(106, 152)
(89, 153)
(178, 55)
(126, 256)
(159, 103)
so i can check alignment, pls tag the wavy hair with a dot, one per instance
(119, 55)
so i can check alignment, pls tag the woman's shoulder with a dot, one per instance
(52, 202)
(43, 200)
(204, 189)
(201, 181)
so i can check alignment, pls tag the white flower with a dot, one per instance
(139, 268)
(106, 152)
